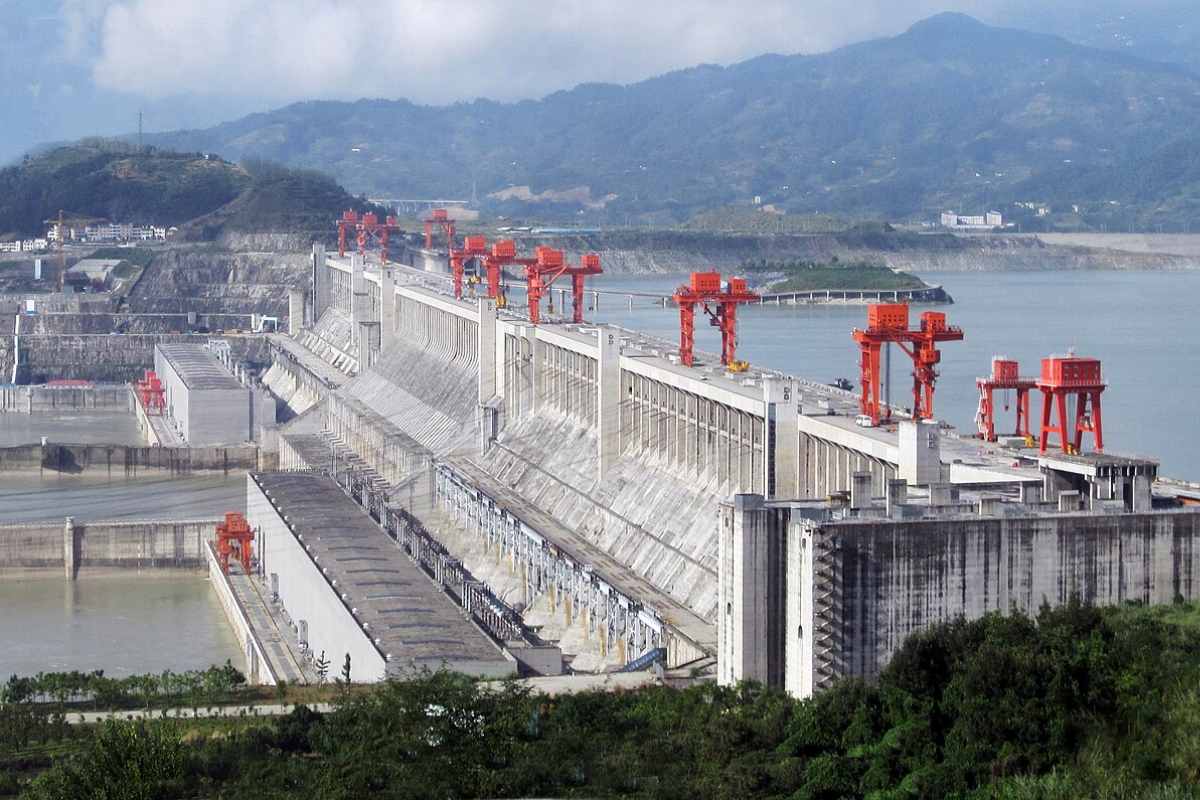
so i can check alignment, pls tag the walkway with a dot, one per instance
(276, 637)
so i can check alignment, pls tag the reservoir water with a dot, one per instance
(1142, 325)
(123, 622)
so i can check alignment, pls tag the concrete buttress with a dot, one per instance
(295, 312)
(609, 400)
(387, 309)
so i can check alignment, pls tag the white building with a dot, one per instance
(956, 221)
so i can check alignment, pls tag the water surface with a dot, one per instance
(1142, 325)
(123, 622)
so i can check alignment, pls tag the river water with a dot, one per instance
(1142, 325)
(123, 623)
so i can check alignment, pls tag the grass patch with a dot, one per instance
(807, 276)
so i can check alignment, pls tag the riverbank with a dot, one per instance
(636, 251)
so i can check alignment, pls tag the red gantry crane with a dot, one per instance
(439, 218)
(720, 304)
(548, 265)
(234, 537)
(150, 392)
(1078, 379)
(368, 231)
(1006, 376)
(502, 253)
(887, 323)
(474, 247)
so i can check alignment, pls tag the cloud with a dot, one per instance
(435, 52)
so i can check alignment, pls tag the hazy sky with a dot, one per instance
(72, 68)
(444, 50)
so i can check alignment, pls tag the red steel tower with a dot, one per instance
(705, 288)
(887, 323)
(368, 231)
(474, 247)
(547, 267)
(234, 537)
(1080, 379)
(150, 392)
(1006, 375)
(439, 218)
(503, 252)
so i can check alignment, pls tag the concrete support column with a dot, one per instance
(532, 382)
(368, 340)
(320, 288)
(783, 411)
(1142, 496)
(897, 496)
(608, 400)
(295, 312)
(70, 549)
(743, 595)
(860, 491)
(387, 309)
(487, 349)
(359, 301)
(920, 453)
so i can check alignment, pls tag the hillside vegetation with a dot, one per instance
(204, 194)
(107, 180)
(1077, 703)
(952, 113)
(807, 276)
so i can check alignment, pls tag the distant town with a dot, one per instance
(102, 233)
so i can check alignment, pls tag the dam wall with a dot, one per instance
(813, 599)
(600, 468)
(68, 546)
(125, 460)
(40, 399)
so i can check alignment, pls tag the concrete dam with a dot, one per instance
(596, 495)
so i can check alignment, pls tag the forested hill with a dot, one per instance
(952, 113)
(107, 180)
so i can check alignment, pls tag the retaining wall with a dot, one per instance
(44, 546)
(117, 358)
(32, 399)
(115, 459)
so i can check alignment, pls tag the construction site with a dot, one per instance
(446, 464)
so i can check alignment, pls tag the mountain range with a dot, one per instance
(952, 113)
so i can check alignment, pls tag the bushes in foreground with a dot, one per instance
(1077, 703)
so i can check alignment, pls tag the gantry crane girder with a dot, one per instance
(1006, 376)
(474, 247)
(1064, 378)
(439, 218)
(720, 304)
(887, 323)
(368, 230)
(550, 264)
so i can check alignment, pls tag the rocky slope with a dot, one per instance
(212, 280)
